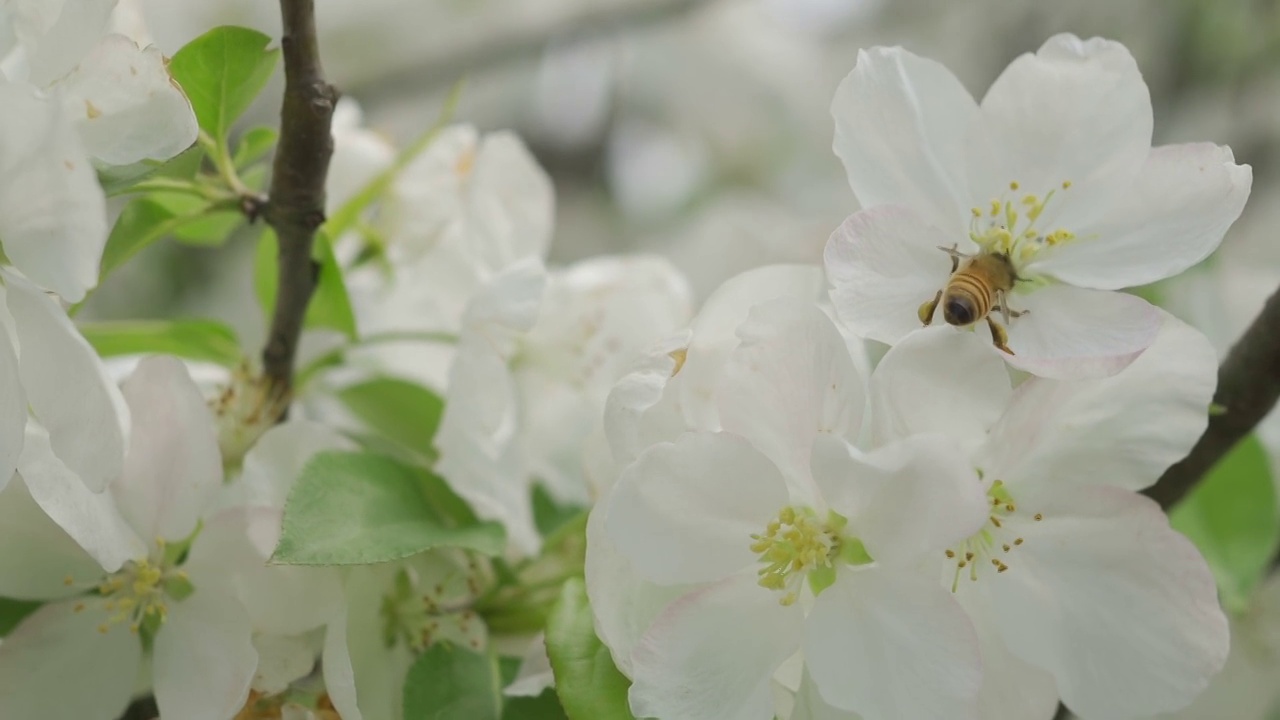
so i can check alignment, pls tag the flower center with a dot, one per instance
(799, 545)
(991, 544)
(1008, 225)
(420, 615)
(139, 594)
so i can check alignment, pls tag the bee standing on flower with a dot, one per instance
(978, 284)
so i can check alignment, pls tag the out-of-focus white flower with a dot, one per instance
(787, 537)
(113, 574)
(1077, 585)
(1050, 185)
(359, 154)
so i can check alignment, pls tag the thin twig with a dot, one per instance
(295, 208)
(522, 38)
(1248, 387)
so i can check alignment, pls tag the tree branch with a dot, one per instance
(450, 59)
(295, 206)
(1248, 387)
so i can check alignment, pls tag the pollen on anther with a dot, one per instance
(68, 581)
(79, 607)
(1009, 507)
(977, 212)
(1039, 517)
(1013, 185)
(1006, 547)
(103, 628)
(968, 556)
(1066, 184)
(951, 553)
(1017, 541)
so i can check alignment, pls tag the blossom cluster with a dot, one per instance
(766, 512)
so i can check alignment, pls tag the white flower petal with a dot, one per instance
(335, 662)
(1011, 688)
(56, 665)
(903, 129)
(53, 217)
(276, 460)
(13, 409)
(92, 519)
(173, 462)
(1102, 431)
(204, 660)
(811, 706)
(67, 386)
(1173, 216)
(1074, 111)
(640, 409)
(712, 653)
(57, 33)
(937, 380)
(510, 301)
(715, 328)
(1071, 332)
(883, 264)
(379, 671)
(511, 202)
(685, 511)
(37, 556)
(623, 603)
(1121, 609)
(358, 155)
(790, 380)
(282, 659)
(535, 673)
(891, 645)
(127, 106)
(907, 500)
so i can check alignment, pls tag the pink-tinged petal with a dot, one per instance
(904, 130)
(37, 556)
(67, 386)
(1172, 217)
(53, 216)
(173, 464)
(790, 380)
(1074, 111)
(204, 660)
(904, 501)
(685, 511)
(712, 653)
(715, 332)
(56, 665)
(883, 264)
(1101, 431)
(937, 380)
(13, 410)
(1072, 333)
(92, 519)
(891, 645)
(1118, 607)
(623, 603)
(335, 662)
(127, 106)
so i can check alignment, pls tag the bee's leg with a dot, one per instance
(927, 307)
(1002, 304)
(999, 336)
(956, 256)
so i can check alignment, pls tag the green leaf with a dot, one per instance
(192, 339)
(404, 412)
(351, 508)
(221, 72)
(549, 515)
(253, 145)
(589, 685)
(13, 612)
(119, 179)
(1231, 517)
(330, 306)
(450, 683)
(141, 223)
(208, 229)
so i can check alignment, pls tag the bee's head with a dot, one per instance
(959, 310)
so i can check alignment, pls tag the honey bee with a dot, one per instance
(978, 285)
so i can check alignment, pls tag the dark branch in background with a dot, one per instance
(448, 61)
(295, 208)
(1248, 387)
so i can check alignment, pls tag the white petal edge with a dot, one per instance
(204, 660)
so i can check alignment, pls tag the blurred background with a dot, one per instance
(699, 129)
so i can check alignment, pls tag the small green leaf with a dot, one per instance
(352, 508)
(589, 685)
(549, 515)
(141, 223)
(450, 683)
(330, 306)
(404, 412)
(1231, 517)
(13, 612)
(208, 229)
(253, 145)
(221, 72)
(192, 339)
(119, 179)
